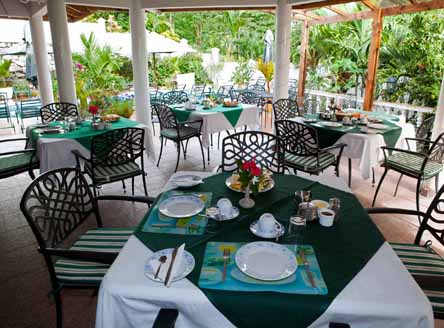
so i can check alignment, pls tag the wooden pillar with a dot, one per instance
(303, 61)
(373, 59)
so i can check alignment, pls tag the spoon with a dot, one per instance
(162, 260)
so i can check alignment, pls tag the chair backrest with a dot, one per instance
(167, 119)
(264, 148)
(436, 152)
(224, 91)
(298, 139)
(234, 94)
(57, 111)
(248, 97)
(424, 131)
(117, 147)
(174, 97)
(261, 81)
(4, 110)
(198, 90)
(311, 105)
(285, 108)
(30, 108)
(433, 219)
(256, 87)
(56, 203)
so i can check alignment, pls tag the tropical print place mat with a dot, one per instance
(299, 283)
(194, 225)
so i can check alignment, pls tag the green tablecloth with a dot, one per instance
(329, 136)
(84, 133)
(342, 251)
(232, 114)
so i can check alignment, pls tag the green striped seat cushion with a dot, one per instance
(103, 240)
(13, 162)
(185, 132)
(80, 272)
(310, 163)
(422, 261)
(105, 173)
(412, 163)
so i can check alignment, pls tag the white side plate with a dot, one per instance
(181, 206)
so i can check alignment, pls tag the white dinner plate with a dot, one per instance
(377, 126)
(184, 269)
(331, 124)
(50, 130)
(228, 184)
(186, 181)
(310, 120)
(264, 260)
(181, 206)
(277, 232)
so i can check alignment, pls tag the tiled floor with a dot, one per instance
(23, 277)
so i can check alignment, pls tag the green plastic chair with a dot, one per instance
(19, 161)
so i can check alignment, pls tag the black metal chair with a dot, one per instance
(28, 109)
(425, 265)
(285, 109)
(113, 157)
(198, 91)
(18, 161)
(424, 131)
(234, 94)
(311, 106)
(55, 205)
(420, 166)
(57, 111)
(302, 151)
(5, 113)
(249, 97)
(256, 88)
(224, 91)
(265, 148)
(175, 97)
(177, 132)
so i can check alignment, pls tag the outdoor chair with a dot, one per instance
(198, 91)
(261, 81)
(224, 91)
(311, 106)
(175, 97)
(234, 94)
(285, 109)
(252, 98)
(17, 161)
(5, 113)
(420, 166)
(265, 148)
(113, 158)
(55, 205)
(177, 132)
(256, 88)
(57, 111)
(425, 265)
(424, 131)
(302, 151)
(28, 109)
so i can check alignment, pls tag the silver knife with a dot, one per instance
(173, 257)
(307, 268)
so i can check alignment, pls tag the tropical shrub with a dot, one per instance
(242, 74)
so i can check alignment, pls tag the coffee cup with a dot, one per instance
(267, 223)
(364, 120)
(326, 217)
(225, 208)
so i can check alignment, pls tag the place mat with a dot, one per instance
(232, 114)
(84, 133)
(299, 283)
(195, 225)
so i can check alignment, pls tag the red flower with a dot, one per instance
(245, 166)
(79, 66)
(93, 109)
(255, 171)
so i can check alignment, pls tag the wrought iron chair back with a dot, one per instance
(167, 119)
(424, 131)
(311, 106)
(56, 203)
(234, 94)
(298, 139)
(436, 152)
(248, 97)
(175, 97)
(285, 109)
(117, 147)
(265, 148)
(198, 90)
(261, 81)
(57, 111)
(224, 91)
(256, 87)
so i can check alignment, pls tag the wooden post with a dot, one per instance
(373, 58)
(303, 61)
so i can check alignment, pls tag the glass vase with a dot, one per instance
(247, 201)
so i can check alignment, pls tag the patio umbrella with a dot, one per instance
(268, 50)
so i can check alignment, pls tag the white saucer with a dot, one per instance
(234, 214)
(279, 231)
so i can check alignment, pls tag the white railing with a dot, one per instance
(350, 101)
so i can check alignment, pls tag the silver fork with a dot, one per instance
(226, 256)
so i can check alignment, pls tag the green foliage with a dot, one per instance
(124, 108)
(5, 64)
(193, 63)
(242, 74)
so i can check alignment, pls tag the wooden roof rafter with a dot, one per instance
(369, 4)
(337, 11)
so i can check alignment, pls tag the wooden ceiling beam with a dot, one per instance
(172, 10)
(369, 4)
(306, 14)
(340, 19)
(336, 11)
(413, 8)
(319, 4)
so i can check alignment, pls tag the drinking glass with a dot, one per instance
(296, 229)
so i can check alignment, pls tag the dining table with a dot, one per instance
(355, 275)
(363, 144)
(54, 150)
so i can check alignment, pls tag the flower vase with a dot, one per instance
(247, 201)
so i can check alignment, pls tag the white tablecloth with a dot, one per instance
(217, 122)
(55, 153)
(382, 294)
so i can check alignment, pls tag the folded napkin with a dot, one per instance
(177, 264)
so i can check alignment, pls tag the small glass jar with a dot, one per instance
(335, 205)
(296, 229)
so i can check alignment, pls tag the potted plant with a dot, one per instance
(267, 69)
(242, 75)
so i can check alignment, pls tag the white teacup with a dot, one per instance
(326, 217)
(364, 120)
(225, 207)
(267, 223)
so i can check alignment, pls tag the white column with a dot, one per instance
(62, 50)
(41, 59)
(140, 72)
(283, 40)
(438, 126)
